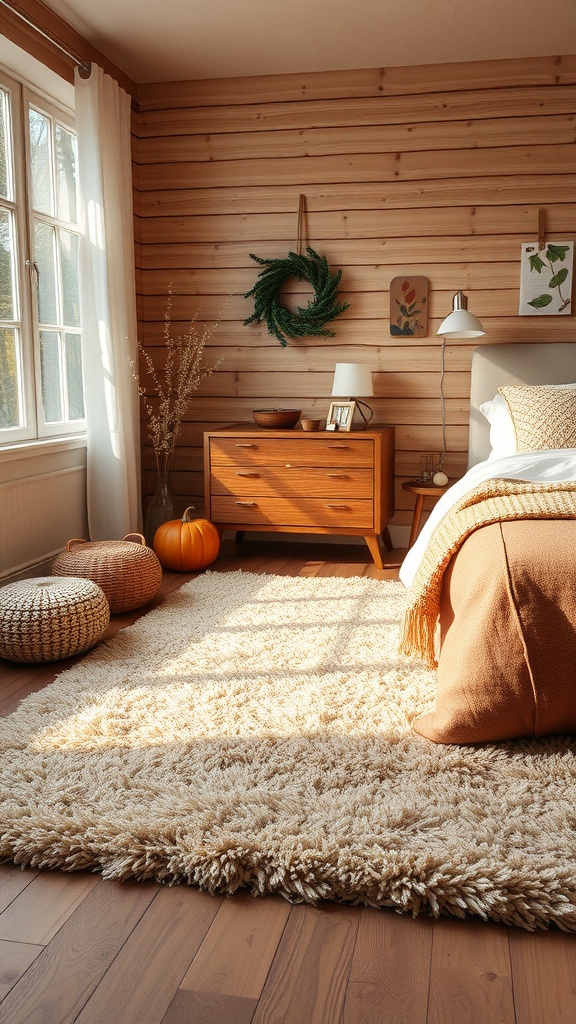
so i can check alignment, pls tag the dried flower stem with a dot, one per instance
(184, 371)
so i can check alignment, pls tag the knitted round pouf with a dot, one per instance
(128, 571)
(45, 619)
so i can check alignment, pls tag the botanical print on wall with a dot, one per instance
(409, 307)
(546, 279)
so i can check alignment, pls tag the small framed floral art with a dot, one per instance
(409, 307)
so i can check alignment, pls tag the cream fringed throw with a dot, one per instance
(488, 503)
(254, 732)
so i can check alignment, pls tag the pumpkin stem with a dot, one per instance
(186, 517)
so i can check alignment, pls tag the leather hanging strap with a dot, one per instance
(300, 229)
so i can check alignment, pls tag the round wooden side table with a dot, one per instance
(422, 491)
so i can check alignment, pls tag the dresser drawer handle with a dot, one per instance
(338, 476)
(341, 446)
(239, 473)
(338, 506)
(245, 446)
(245, 502)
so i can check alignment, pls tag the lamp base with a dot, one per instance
(365, 416)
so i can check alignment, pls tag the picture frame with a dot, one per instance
(409, 306)
(340, 416)
(546, 274)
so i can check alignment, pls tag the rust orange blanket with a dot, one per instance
(494, 501)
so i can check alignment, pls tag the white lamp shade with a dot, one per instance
(461, 324)
(352, 380)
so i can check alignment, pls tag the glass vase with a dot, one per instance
(164, 505)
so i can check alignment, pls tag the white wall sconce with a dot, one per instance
(460, 323)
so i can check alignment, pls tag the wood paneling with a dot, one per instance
(444, 107)
(438, 171)
(303, 171)
(406, 195)
(380, 82)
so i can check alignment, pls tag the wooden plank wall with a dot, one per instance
(436, 170)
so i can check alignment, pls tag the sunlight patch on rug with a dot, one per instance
(254, 731)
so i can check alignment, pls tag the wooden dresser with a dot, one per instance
(294, 481)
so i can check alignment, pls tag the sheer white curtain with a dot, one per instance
(108, 306)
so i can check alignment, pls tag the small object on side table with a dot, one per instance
(440, 479)
(422, 490)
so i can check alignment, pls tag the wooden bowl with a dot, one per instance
(276, 419)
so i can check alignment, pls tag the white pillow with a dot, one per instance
(502, 433)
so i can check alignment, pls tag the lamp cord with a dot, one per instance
(442, 401)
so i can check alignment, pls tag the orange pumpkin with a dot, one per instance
(185, 545)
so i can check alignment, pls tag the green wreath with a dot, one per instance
(307, 320)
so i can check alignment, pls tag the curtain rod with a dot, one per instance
(84, 66)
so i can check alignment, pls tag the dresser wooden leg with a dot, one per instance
(374, 548)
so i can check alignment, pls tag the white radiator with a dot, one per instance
(38, 515)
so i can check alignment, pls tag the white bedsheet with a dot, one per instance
(552, 464)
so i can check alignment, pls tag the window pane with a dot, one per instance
(69, 276)
(66, 174)
(5, 176)
(44, 239)
(40, 316)
(50, 364)
(41, 162)
(7, 296)
(10, 410)
(74, 375)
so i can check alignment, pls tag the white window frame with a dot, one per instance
(34, 428)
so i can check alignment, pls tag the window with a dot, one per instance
(41, 383)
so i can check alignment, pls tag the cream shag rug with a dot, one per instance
(254, 731)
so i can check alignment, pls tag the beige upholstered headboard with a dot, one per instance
(495, 365)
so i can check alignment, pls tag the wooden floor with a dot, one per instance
(76, 948)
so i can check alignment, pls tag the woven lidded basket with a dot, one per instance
(128, 571)
(45, 619)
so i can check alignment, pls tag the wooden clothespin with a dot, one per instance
(541, 229)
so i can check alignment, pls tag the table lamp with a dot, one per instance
(352, 380)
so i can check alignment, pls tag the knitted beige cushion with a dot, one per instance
(543, 417)
(46, 618)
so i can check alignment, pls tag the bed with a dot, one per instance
(492, 576)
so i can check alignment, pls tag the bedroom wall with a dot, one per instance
(437, 170)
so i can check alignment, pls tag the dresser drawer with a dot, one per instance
(295, 511)
(300, 451)
(270, 481)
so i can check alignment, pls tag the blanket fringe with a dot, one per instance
(418, 638)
